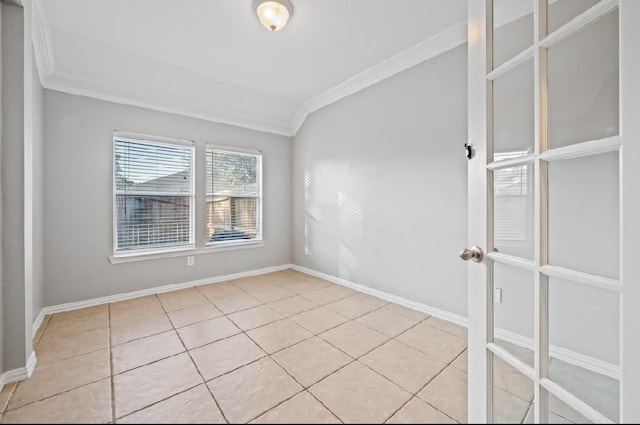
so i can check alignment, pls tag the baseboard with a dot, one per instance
(432, 311)
(156, 290)
(586, 362)
(21, 373)
(567, 356)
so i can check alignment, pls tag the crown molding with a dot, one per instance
(425, 50)
(82, 86)
(42, 43)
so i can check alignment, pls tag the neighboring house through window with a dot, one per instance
(234, 195)
(154, 194)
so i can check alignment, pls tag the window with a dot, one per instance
(154, 195)
(234, 196)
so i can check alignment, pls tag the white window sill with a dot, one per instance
(184, 252)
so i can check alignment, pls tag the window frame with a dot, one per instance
(119, 135)
(259, 239)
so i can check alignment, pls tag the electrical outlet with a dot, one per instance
(191, 260)
(497, 295)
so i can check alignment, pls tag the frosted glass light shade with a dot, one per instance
(274, 14)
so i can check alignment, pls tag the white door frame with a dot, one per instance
(479, 274)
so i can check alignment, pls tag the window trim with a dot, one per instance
(221, 245)
(147, 252)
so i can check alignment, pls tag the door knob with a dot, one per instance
(474, 254)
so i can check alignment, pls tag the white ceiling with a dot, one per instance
(213, 59)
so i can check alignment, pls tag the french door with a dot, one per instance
(554, 129)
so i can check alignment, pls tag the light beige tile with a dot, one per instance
(328, 294)
(231, 304)
(511, 380)
(55, 378)
(271, 294)
(448, 393)
(250, 282)
(461, 361)
(311, 360)
(403, 365)
(304, 286)
(278, 335)
(184, 298)
(223, 356)
(417, 411)
(251, 390)
(406, 312)
(5, 393)
(87, 404)
(357, 394)
(434, 342)
(145, 301)
(133, 313)
(53, 348)
(255, 317)
(354, 338)
(71, 325)
(386, 322)
(350, 307)
(206, 332)
(140, 328)
(370, 299)
(447, 326)
(81, 312)
(319, 319)
(293, 305)
(219, 289)
(508, 408)
(40, 332)
(149, 384)
(303, 408)
(145, 350)
(190, 315)
(195, 406)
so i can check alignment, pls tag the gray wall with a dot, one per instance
(78, 199)
(38, 192)
(12, 178)
(379, 185)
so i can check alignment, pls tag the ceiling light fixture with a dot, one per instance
(273, 14)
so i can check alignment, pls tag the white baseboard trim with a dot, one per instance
(156, 290)
(436, 312)
(562, 354)
(21, 373)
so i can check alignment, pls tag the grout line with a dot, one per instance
(204, 381)
(413, 395)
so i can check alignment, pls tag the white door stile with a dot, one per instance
(630, 209)
(478, 66)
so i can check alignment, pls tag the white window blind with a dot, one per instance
(154, 195)
(512, 200)
(234, 196)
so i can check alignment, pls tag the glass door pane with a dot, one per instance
(513, 205)
(583, 84)
(513, 127)
(513, 309)
(583, 214)
(512, 28)
(584, 343)
(562, 11)
(512, 393)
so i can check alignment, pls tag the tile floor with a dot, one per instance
(281, 347)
